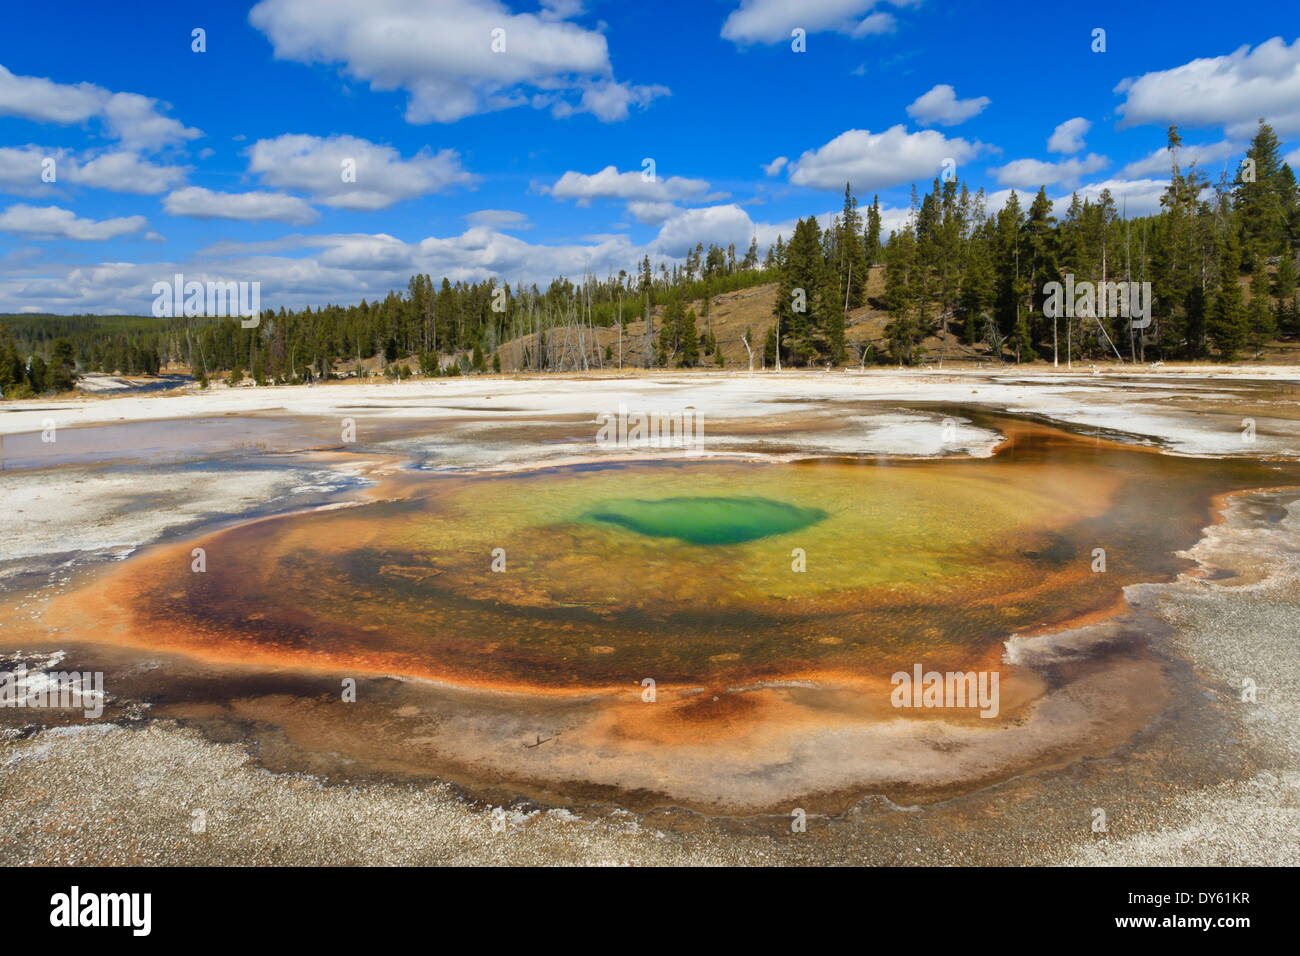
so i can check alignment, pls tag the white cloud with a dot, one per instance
(54, 222)
(45, 101)
(609, 102)
(21, 169)
(1231, 91)
(770, 21)
(200, 203)
(940, 107)
(652, 213)
(126, 172)
(609, 183)
(874, 25)
(441, 54)
(135, 120)
(309, 270)
(729, 224)
(711, 225)
(1133, 197)
(994, 201)
(499, 219)
(1292, 159)
(299, 270)
(560, 9)
(868, 160)
(1205, 155)
(1068, 137)
(315, 165)
(1032, 173)
(775, 166)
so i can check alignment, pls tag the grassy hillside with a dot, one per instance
(730, 314)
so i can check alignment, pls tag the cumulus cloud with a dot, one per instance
(609, 183)
(770, 21)
(316, 165)
(22, 169)
(1032, 173)
(728, 224)
(200, 203)
(874, 24)
(940, 107)
(298, 270)
(45, 101)
(711, 225)
(1205, 155)
(308, 270)
(442, 54)
(1068, 137)
(499, 219)
(1230, 91)
(610, 102)
(1133, 197)
(868, 160)
(55, 222)
(652, 213)
(126, 172)
(136, 121)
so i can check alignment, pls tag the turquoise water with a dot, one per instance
(705, 520)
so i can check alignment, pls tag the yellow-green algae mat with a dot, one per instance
(706, 572)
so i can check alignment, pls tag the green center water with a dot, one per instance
(705, 520)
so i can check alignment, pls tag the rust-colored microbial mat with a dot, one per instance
(769, 603)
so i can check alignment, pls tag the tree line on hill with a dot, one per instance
(1220, 258)
(984, 277)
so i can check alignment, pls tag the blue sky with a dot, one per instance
(527, 162)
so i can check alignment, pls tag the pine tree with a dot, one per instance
(769, 348)
(801, 276)
(1009, 266)
(1042, 253)
(902, 333)
(1227, 321)
(871, 239)
(12, 372)
(62, 370)
(1285, 291)
(1261, 323)
(36, 374)
(690, 341)
(976, 294)
(1259, 196)
(850, 264)
(670, 330)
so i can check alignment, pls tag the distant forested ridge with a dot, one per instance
(1220, 258)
